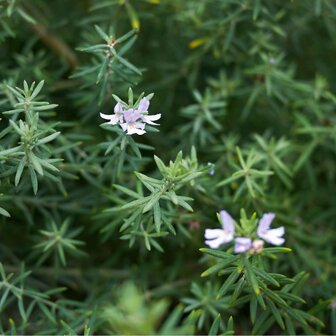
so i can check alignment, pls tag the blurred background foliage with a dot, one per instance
(247, 85)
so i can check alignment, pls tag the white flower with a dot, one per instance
(272, 236)
(216, 237)
(133, 122)
(115, 118)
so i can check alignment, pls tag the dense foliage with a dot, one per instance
(103, 212)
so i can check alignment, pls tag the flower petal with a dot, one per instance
(106, 116)
(276, 241)
(140, 125)
(265, 223)
(216, 237)
(274, 236)
(114, 119)
(148, 119)
(242, 244)
(133, 130)
(118, 108)
(218, 240)
(124, 127)
(280, 231)
(227, 221)
(143, 105)
(213, 233)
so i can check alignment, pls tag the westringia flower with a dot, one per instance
(131, 120)
(216, 237)
(115, 118)
(272, 236)
(242, 244)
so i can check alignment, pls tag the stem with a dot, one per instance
(52, 41)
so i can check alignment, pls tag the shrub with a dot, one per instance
(126, 126)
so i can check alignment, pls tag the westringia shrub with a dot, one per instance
(167, 167)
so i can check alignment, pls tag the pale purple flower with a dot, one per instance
(115, 118)
(143, 110)
(242, 244)
(272, 236)
(216, 237)
(133, 122)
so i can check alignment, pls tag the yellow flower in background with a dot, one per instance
(198, 42)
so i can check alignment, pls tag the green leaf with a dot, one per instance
(4, 212)
(19, 171)
(160, 165)
(229, 328)
(157, 216)
(48, 138)
(33, 178)
(219, 266)
(216, 253)
(126, 63)
(126, 36)
(36, 163)
(130, 205)
(215, 326)
(37, 89)
(253, 308)
(229, 282)
(251, 276)
(102, 70)
(153, 199)
(265, 276)
(276, 314)
(102, 34)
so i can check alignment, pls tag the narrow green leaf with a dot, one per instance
(218, 267)
(216, 253)
(215, 326)
(102, 34)
(226, 285)
(4, 212)
(153, 199)
(253, 308)
(37, 89)
(276, 314)
(157, 216)
(251, 277)
(19, 171)
(33, 178)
